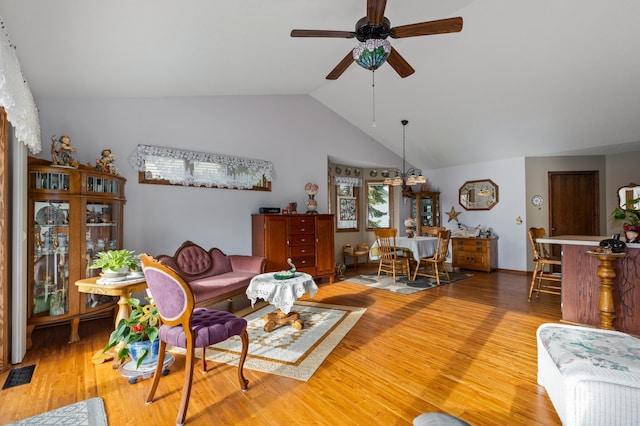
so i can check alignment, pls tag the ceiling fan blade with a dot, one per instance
(442, 26)
(341, 67)
(398, 63)
(375, 11)
(322, 33)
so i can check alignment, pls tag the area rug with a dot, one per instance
(89, 412)
(286, 351)
(403, 285)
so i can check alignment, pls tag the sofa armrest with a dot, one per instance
(243, 263)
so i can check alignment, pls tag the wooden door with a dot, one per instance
(269, 239)
(574, 206)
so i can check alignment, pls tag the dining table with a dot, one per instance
(419, 246)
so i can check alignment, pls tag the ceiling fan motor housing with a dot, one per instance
(366, 31)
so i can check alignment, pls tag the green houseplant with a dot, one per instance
(141, 326)
(628, 217)
(118, 261)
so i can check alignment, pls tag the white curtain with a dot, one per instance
(351, 181)
(185, 167)
(16, 97)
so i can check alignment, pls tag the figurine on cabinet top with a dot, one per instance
(105, 162)
(61, 152)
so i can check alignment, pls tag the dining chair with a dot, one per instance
(431, 231)
(434, 266)
(391, 258)
(187, 327)
(544, 264)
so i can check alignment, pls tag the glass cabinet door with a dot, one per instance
(426, 209)
(101, 225)
(50, 282)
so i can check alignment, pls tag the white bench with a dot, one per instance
(592, 376)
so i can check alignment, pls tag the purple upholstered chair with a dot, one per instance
(186, 327)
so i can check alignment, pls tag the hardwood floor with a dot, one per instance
(466, 348)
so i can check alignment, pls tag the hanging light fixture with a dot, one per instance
(372, 53)
(409, 177)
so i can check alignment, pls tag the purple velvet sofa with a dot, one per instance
(212, 275)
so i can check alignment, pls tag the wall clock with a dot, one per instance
(537, 200)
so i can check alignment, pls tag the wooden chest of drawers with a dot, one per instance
(479, 254)
(306, 239)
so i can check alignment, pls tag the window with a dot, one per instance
(169, 166)
(379, 205)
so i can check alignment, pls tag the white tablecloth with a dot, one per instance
(420, 246)
(280, 293)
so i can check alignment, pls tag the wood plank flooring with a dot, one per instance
(466, 348)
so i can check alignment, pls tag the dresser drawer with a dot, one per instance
(302, 251)
(301, 221)
(303, 261)
(301, 240)
(305, 228)
(472, 244)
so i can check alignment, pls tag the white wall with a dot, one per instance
(509, 175)
(296, 133)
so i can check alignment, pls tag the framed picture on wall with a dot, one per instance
(348, 209)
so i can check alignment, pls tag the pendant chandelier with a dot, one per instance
(410, 177)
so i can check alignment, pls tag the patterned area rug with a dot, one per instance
(89, 412)
(403, 285)
(286, 351)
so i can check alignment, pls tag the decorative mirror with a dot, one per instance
(628, 193)
(478, 194)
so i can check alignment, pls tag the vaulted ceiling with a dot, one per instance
(522, 78)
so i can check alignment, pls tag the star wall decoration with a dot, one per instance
(453, 215)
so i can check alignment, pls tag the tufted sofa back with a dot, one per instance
(193, 262)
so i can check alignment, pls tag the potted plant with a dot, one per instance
(115, 262)
(138, 334)
(629, 217)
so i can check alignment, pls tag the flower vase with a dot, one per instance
(311, 189)
(136, 350)
(312, 205)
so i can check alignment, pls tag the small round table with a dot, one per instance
(282, 294)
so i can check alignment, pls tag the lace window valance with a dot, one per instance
(16, 97)
(351, 181)
(192, 168)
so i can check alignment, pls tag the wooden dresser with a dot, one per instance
(479, 254)
(307, 239)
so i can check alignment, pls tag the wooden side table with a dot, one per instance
(121, 289)
(282, 294)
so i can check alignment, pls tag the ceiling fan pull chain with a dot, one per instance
(373, 96)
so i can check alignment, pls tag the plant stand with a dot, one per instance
(132, 373)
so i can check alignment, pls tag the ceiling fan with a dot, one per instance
(372, 32)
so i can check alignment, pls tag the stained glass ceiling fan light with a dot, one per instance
(372, 53)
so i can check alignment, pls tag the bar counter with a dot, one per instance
(581, 285)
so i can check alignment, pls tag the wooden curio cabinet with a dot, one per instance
(72, 215)
(425, 209)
